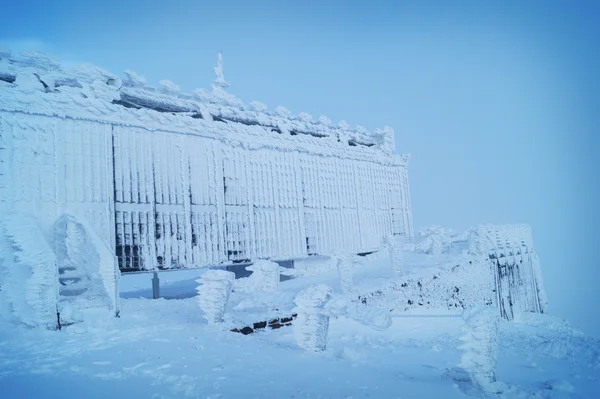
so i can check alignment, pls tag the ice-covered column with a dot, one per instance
(345, 267)
(213, 294)
(312, 324)
(396, 245)
(265, 275)
(480, 345)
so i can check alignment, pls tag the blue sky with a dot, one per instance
(499, 103)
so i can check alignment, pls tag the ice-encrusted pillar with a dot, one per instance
(395, 245)
(345, 267)
(213, 294)
(312, 324)
(480, 345)
(265, 275)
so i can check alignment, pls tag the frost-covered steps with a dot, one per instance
(84, 288)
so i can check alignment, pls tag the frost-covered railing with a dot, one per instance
(87, 264)
(29, 291)
(484, 266)
(517, 270)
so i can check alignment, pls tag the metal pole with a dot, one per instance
(155, 286)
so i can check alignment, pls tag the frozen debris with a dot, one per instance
(283, 112)
(480, 345)
(39, 61)
(361, 129)
(135, 80)
(385, 138)
(213, 294)
(312, 324)
(344, 125)
(325, 120)
(28, 273)
(258, 106)
(29, 83)
(105, 95)
(169, 87)
(305, 117)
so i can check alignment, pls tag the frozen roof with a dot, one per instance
(92, 92)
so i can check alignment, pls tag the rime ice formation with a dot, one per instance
(312, 324)
(29, 291)
(213, 294)
(159, 179)
(169, 180)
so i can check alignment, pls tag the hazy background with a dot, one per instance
(498, 104)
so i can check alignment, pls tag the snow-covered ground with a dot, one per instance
(164, 348)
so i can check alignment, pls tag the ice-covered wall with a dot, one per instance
(170, 180)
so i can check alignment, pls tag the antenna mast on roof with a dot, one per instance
(220, 81)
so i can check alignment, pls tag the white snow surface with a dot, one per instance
(164, 348)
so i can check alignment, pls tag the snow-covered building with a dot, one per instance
(167, 180)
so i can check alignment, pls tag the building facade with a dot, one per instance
(168, 180)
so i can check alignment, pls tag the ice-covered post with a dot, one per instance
(265, 275)
(213, 294)
(436, 248)
(155, 286)
(345, 268)
(480, 345)
(395, 245)
(312, 324)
